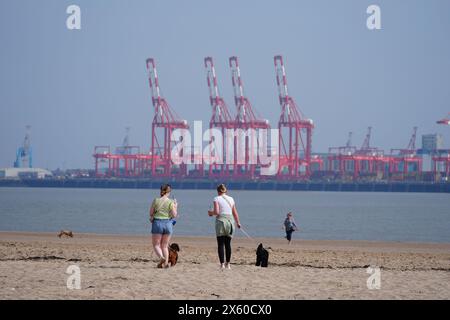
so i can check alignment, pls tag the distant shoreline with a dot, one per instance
(204, 184)
(205, 241)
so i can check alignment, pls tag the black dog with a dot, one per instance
(262, 256)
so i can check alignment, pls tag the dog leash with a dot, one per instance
(247, 235)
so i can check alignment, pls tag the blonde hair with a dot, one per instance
(221, 188)
(165, 189)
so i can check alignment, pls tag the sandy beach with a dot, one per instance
(33, 266)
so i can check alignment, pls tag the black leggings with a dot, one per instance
(224, 241)
(289, 235)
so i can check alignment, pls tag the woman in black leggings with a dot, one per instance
(226, 216)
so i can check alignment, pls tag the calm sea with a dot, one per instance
(419, 217)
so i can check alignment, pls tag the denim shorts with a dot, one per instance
(162, 226)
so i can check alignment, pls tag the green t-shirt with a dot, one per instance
(162, 208)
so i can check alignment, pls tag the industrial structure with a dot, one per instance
(444, 121)
(247, 126)
(24, 173)
(403, 162)
(165, 121)
(239, 156)
(24, 154)
(222, 120)
(126, 161)
(234, 155)
(441, 159)
(295, 131)
(158, 162)
(350, 162)
(23, 164)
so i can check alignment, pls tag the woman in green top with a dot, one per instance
(161, 212)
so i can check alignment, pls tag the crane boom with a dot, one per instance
(220, 109)
(445, 121)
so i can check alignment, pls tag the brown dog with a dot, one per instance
(67, 233)
(174, 248)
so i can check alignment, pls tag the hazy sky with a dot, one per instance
(81, 88)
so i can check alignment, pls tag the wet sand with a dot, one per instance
(33, 266)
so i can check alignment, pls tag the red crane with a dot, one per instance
(165, 120)
(295, 144)
(247, 122)
(406, 157)
(411, 148)
(348, 158)
(103, 164)
(127, 155)
(220, 119)
(369, 159)
(342, 158)
(348, 149)
(366, 149)
(127, 161)
(445, 120)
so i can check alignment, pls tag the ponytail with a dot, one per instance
(221, 188)
(165, 189)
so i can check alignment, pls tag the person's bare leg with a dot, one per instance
(156, 242)
(165, 247)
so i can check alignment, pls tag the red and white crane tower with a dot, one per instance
(246, 160)
(220, 119)
(165, 121)
(295, 144)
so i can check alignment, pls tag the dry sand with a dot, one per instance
(33, 266)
